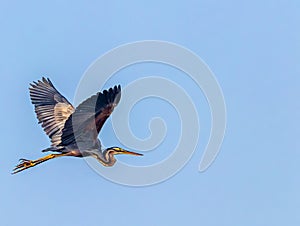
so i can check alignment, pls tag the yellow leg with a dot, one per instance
(25, 164)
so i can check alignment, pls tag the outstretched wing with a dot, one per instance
(52, 109)
(87, 120)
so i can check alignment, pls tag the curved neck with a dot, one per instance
(106, 158)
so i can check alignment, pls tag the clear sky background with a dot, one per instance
(253, 49)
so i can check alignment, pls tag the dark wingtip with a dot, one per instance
(43, 80)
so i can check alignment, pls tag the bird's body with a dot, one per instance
(73, 131)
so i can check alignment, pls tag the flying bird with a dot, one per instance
(73, 131)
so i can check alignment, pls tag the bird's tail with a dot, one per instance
(53, 149)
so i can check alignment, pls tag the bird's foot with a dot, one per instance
(23, 165)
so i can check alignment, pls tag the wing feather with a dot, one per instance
(87, 120)
(52, 108)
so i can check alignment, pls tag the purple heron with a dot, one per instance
(73, 131)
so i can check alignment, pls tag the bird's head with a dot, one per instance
(119, 151)
(109, 153)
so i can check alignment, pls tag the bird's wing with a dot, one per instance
(86, 122)
(52, 109)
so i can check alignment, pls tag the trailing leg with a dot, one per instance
(25, 163)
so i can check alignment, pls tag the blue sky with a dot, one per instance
(253, 49)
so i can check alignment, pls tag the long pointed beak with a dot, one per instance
(131, 153)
